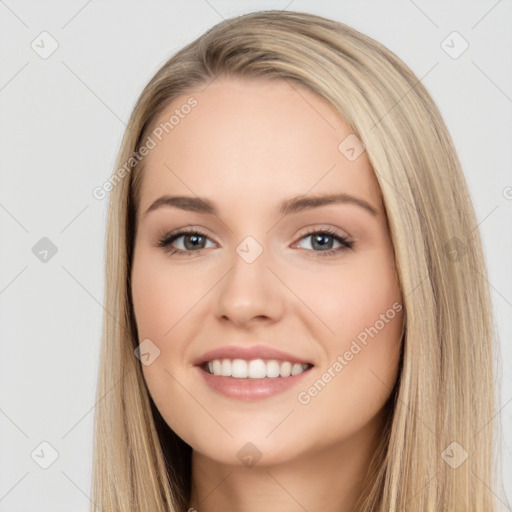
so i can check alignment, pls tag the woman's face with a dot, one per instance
(267, 264)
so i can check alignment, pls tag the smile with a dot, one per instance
(248, 380)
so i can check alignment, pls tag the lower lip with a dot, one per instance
(250, 389)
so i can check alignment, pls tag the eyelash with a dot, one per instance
(346, 244)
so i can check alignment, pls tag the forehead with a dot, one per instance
(253, 140)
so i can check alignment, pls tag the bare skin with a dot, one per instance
(248, 146)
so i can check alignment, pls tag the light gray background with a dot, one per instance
(62, 120)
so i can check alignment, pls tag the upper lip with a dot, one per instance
(248, 353)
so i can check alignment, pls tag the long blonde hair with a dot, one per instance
(444, 403)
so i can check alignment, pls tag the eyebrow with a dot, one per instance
(289, 206)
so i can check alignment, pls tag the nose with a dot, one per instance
(250, 293)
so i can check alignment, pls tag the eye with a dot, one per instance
(324, 239)
(193, 241)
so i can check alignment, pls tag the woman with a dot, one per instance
(298, 312)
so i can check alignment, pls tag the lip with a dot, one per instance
(250, 390)
(248, 353)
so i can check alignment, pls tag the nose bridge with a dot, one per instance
(249, 289)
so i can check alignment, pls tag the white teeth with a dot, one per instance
(273, 369)
(297, 368)
(239, 369)
(257, 368)
(254, 369)
(217, 367)
(286, 369)
(226, 368)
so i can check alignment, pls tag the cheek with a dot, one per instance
(352, 297)
(361, 306)
(161, 296)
